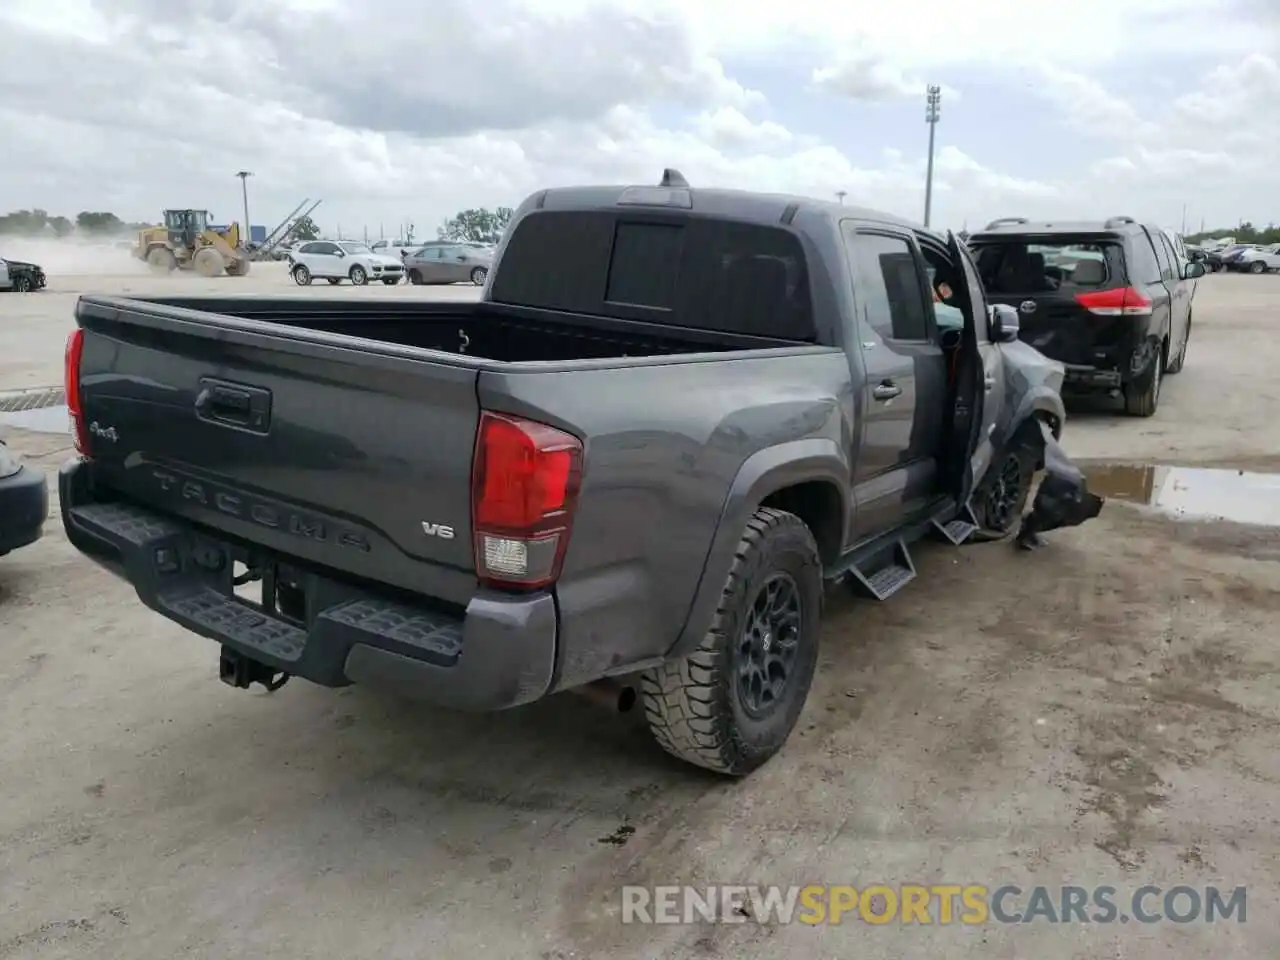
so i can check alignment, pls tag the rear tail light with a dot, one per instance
(71, 389)
(1121, 302)
(525, 482)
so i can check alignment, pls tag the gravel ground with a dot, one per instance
(1098, 713)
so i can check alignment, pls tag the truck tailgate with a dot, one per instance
(337, 453)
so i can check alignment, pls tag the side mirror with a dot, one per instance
(1003, 324)
(1193, 270)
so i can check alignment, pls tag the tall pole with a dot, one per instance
(840, 195)
(244, 176)
(1184, 219)
(933, 103)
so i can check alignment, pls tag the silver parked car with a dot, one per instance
(449, 263)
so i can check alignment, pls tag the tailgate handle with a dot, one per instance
(234, 405)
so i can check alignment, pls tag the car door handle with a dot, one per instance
(886, 391)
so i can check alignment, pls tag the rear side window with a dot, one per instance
(718, 275)
(890, 285)
(1015, 267)
(1144, 267)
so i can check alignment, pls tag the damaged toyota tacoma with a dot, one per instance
(631, 468)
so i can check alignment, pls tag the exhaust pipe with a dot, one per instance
(619, 697)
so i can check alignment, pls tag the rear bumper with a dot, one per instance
(1080, 377)
(24, 504)
(498, 653)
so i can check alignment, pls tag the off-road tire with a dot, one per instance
(990, 530)
(301, 276)
(208, 263)
(161, 261)
(1178, 362)
(479, 275)
(1142, 396)
(359, 277)
(692, 705)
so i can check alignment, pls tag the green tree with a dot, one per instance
(303, 230)
(1244, 232)
(478, 225)
(24, 222)
(99, 222)
(61, 226)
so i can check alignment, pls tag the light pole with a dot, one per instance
(244, 176)
(933, 101)
(840, 195)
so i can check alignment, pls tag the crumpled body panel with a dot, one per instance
(1063, 499)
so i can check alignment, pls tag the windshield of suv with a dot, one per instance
(355, 247)
(1017, 266)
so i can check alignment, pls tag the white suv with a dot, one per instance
(1259, 259)
(338, 260)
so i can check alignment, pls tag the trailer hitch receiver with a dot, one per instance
(241, 672)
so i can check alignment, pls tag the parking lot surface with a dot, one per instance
(1101, 712)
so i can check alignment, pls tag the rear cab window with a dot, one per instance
(1026, 266)
(700, 273)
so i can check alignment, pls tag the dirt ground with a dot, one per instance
(1101, 712)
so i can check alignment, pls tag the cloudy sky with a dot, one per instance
(404, 111)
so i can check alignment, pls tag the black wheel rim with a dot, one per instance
(768, 644)
(1005, 492)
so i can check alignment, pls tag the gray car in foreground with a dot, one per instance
(630, 469)
(449, 263)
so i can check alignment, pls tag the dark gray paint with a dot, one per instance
(369, 439)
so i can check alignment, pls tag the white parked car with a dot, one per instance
(1258, 259)
(338, 260)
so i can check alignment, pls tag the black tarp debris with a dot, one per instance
(1063, 499)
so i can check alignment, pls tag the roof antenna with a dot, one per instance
(672, 177)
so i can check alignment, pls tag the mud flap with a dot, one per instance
(1063, 499)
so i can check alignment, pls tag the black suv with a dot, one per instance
(1109, 300)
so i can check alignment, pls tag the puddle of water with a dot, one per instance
(42, 420)
(1192, 492)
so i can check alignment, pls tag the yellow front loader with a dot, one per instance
(185, 242)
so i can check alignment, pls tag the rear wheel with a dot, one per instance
(733, 703)
(1142, 396)
(358, 275)
(301, 275)
(1257, 267)
(1001, 496)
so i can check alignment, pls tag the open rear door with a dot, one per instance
(979, 379)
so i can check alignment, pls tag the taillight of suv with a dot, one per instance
(1119, 302)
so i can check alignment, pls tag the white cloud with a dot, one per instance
(410, 113)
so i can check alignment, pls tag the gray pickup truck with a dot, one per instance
(628, 469)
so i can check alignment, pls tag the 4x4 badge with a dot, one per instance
(1027, 306)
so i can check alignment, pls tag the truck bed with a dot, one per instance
(484, 330)
(334, 431)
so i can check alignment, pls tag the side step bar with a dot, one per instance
(886, 578)
(957, 530)
(880, 568)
